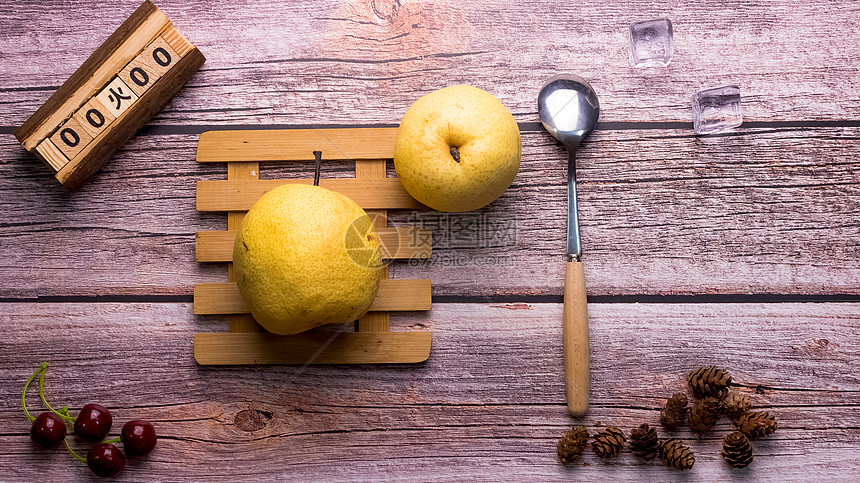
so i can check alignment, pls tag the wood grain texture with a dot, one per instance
(577, 356)
(488, 404)
(758, 211)
(365, 61)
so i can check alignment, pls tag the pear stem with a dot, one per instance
(318, 158)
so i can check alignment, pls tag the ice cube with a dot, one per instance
(651, 43)
(717, 109)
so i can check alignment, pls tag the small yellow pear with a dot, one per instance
(457, 149)
(306, 256)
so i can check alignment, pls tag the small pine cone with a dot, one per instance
(609, 442)
(674, 415)
(572, 444)
(677, 455)
(709, 381)
(756, 424)
(737, 450)
(644, 443)
(736, 404)
(704, 414)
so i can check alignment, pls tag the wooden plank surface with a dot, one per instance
(764, 213)
(759, 211)
(488, 404)
(315, 62)
(224, 298)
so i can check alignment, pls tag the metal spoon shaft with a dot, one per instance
(574, 242)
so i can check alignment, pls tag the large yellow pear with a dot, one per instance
(306, 256)
(457, 149)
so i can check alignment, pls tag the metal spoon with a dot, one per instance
(569, 109)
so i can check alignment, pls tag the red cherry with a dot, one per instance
(138, 437)
(105, 460)
(93, 423)
(48, 430)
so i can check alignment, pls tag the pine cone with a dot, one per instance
(704, 414)
(737, 450)
(675, 413)
(756, 424)
(572, 444)
(709, 381)
(644, 443)
(609, 442)
(736, 404)
(677, 455)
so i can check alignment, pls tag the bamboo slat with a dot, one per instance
(375, 169)
(396, 244)
(227, 195)
(221, 348)
(296, 144)
(224, 298)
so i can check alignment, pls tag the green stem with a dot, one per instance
(114, 440)
(77, 456)
(62, 414)
(41, 369)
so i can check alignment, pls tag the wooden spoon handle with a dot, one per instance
(575, 334)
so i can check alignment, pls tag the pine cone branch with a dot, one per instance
(704, 414)
(572, 444)
(609, 442)
(674, 414)
(644, 443)
(709, 381)
(736, 404)
(756, 424)
(737, 450)
(677, 455)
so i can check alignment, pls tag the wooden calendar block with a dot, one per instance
(117, 97)
(159, 56)
(177, 42)
(71, 138)
(138, 76)
(94, 117)
(51, 155)
(108, 82)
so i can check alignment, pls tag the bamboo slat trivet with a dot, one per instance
(245, 343)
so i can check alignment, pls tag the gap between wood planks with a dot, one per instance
(496, 299)
(524, 126)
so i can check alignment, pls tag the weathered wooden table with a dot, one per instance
(740, 249)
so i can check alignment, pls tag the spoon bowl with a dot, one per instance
(568, 108)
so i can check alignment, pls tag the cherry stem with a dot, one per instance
(118, 439)
(77, 456)
(64, 412)
(41, 369)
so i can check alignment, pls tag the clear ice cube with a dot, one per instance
(651, 43)
(717, 109)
